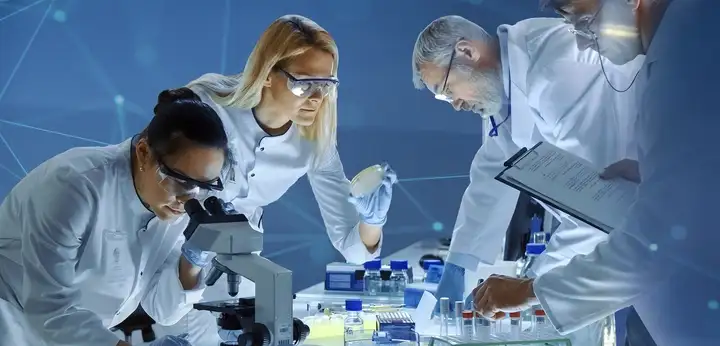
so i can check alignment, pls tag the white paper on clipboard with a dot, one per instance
(571, 184)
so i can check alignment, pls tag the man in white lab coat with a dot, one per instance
(532, 84)
(663, 260)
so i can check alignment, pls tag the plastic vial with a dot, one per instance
(482, 327)
(540, 321)
(353, 324)
(459, 309)
(386, 286)
(426, 266)
(399, 277)
(468, 331)
(444, 315)
(515, 325)
(372, 281)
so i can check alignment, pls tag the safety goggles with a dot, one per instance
(178, 184)
(305, 86)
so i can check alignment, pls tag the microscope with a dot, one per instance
(265, 320)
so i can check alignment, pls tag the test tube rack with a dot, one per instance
(526, 338)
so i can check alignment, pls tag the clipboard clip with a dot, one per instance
(519, 155)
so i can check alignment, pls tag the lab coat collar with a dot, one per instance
(126, 177)
(504, 58)
(256, 125)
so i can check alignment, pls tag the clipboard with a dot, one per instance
(516, 158)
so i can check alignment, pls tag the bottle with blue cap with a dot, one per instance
(353, 324)
(536, 246)
(432, 276)
(398, 278)
(372, 280)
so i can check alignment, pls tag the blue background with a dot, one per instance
(79, 73)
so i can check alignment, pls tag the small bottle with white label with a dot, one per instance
(468, 328)
(482, 327)
(515, 325)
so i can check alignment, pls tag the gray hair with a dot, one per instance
(436, 42)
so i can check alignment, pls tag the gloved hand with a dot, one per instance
(452, 285)
(172, 340)
(196, 256)
(374, 207)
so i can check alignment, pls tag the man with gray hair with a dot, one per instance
(531, 83)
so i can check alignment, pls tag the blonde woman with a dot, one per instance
(280, 115)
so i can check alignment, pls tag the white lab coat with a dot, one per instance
(267, 167)
(558, 94)
(664, 259)
(79, 252)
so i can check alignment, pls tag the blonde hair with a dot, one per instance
(286, 38)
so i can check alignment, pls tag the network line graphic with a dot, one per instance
(56, 17)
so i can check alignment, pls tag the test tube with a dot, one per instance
(467, 325)
(515, 324)
(444, 315)
(539, 323)
(459, 307)
(482, 327)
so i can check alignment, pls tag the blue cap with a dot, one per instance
(398, 265)
(353, 305)
(428, 263)
(534, 249)
(373, 265)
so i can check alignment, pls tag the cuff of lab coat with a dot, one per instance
(467, 261)
(193, 295)
(357, 252)
(549, 306)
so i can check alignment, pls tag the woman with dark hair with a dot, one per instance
(93, 232)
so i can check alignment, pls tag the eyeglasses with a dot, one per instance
(178, 184)
(305, 86)
(443, 94)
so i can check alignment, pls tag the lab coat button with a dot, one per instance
(252, 175)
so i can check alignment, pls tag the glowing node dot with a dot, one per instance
(437, 226)
(713, 304)
(60, 16)
(119, 100)
(678, 232)
(653, 247)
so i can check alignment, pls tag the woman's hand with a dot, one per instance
(374, 207)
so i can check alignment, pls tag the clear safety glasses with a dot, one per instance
(582, 26)
(177, 184)
(305, 86)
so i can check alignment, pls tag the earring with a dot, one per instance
(142, 169)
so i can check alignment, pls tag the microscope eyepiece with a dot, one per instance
(214, 206)
(193, 207)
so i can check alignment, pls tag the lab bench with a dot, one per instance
(332, 325)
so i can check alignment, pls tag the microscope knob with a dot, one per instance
(300, 331)
(259, 335)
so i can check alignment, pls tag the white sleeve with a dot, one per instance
(55, 219)
(487, 205)
(331, 189)
(166, 301)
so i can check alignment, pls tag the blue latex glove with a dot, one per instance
(172, 340)
(374, 207)
(452, 285)
(196, 256)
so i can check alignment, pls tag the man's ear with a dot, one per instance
(468, 50)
